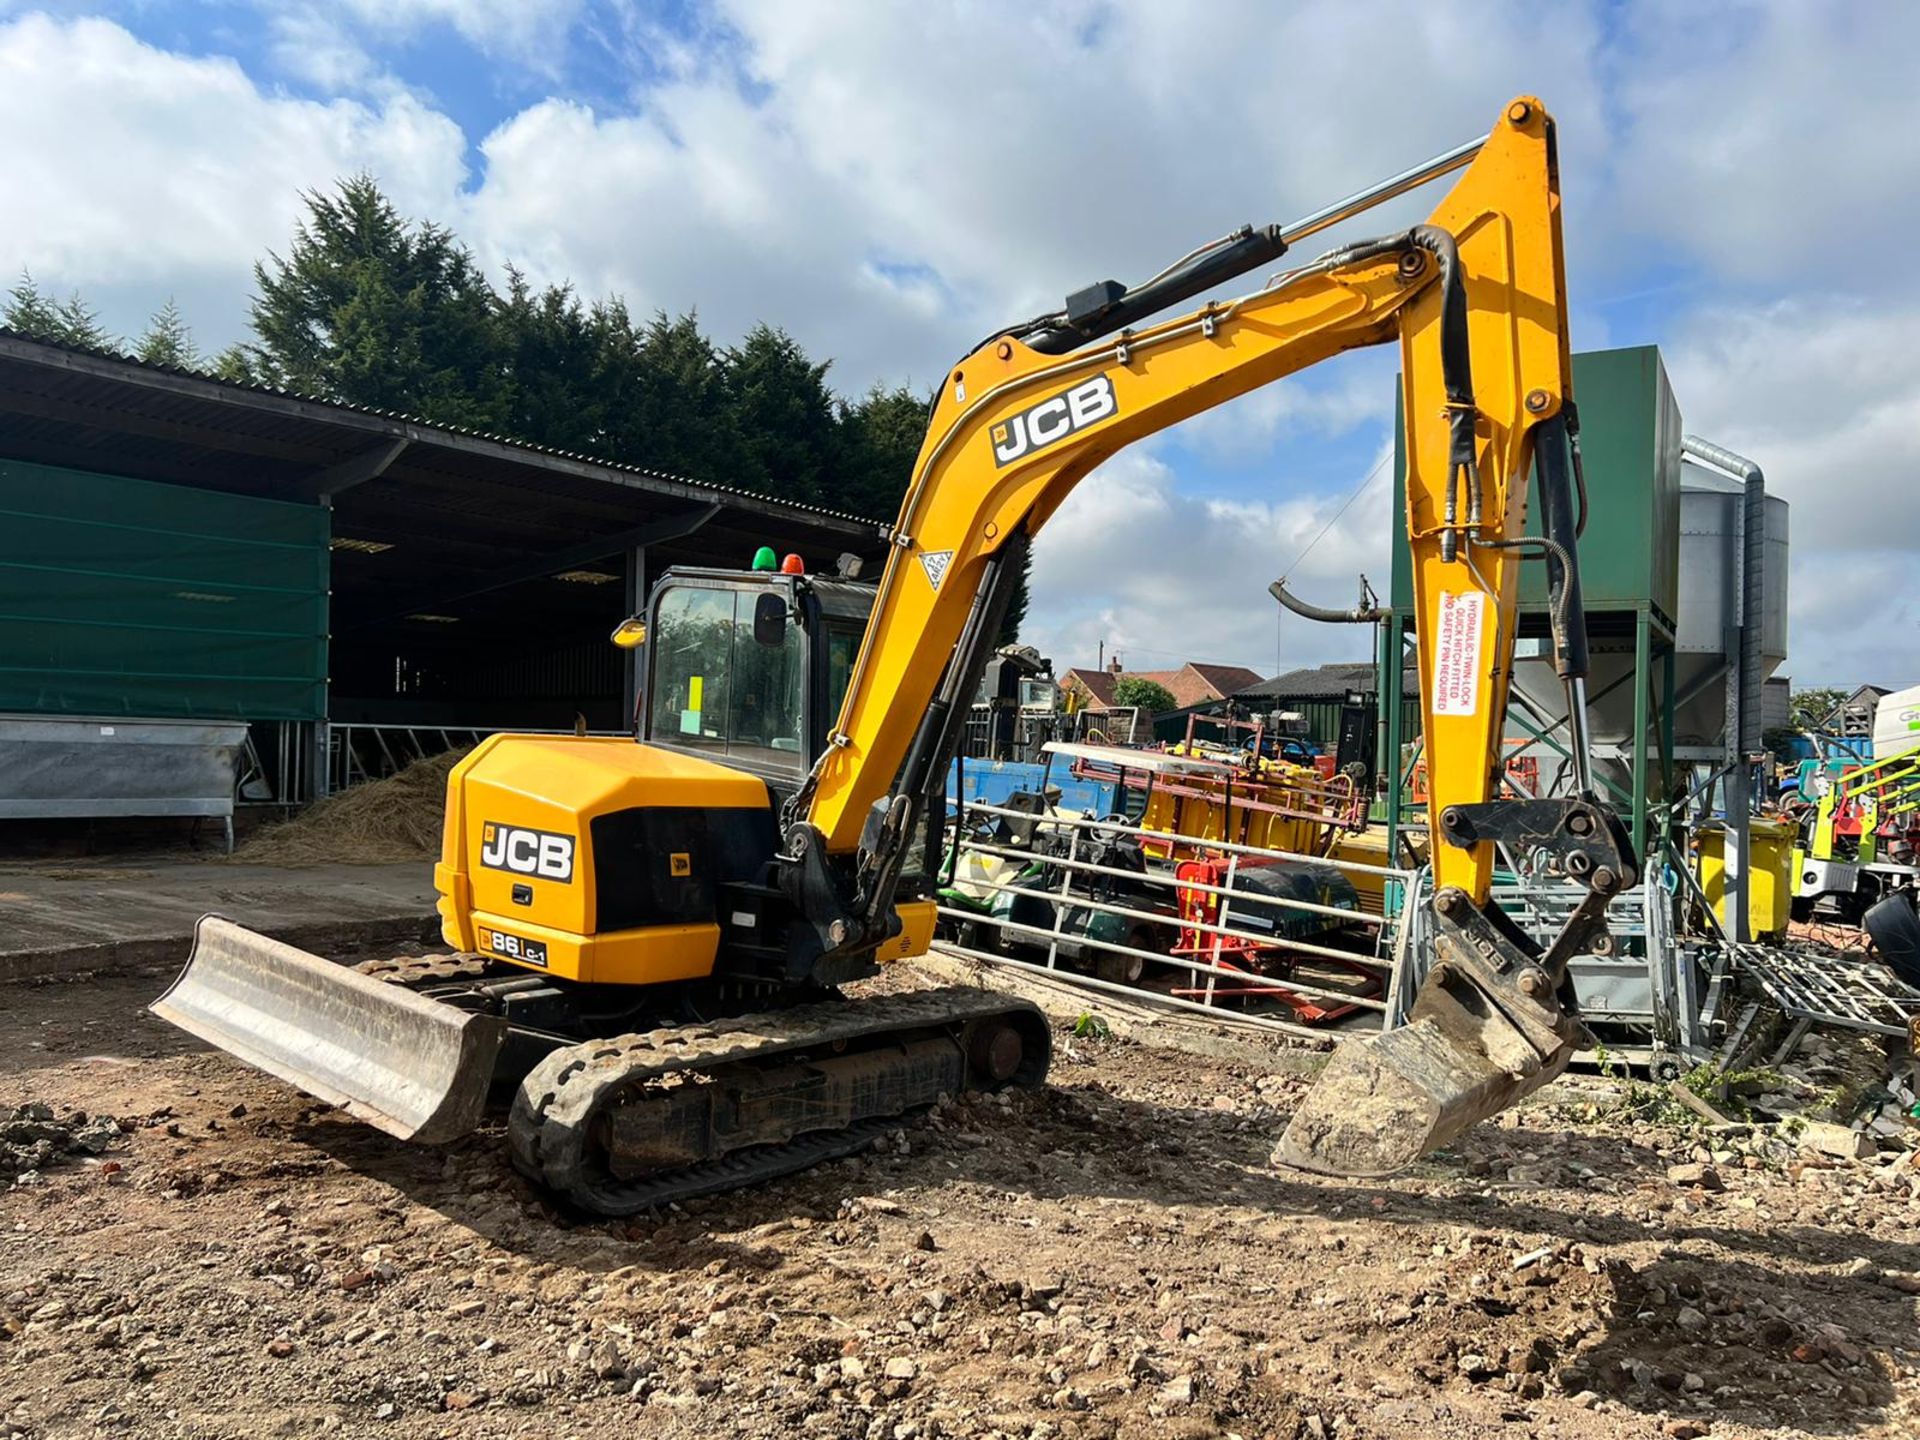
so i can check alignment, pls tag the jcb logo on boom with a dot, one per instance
(1053, 419)
(540, 853)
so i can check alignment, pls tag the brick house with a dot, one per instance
(1192, 684)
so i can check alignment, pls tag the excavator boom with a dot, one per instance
(1476, 300)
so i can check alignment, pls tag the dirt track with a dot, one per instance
(1110, 1257)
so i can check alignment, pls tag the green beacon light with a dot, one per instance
(765, 559)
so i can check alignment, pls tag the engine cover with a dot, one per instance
(596, 859)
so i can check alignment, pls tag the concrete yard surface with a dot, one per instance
(60, 918)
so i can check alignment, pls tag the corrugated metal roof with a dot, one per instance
(1325, 680)
(77, 386)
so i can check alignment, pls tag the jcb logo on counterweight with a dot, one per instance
(539, 853)
(1053, 419)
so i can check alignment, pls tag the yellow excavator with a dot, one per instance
(649, 938)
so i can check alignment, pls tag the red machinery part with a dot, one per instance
(1242, 954)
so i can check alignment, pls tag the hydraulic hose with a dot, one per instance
(1456, 366)
(1456, 371)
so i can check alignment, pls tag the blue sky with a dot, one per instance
(889, 181)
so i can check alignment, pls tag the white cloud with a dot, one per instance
(512, 23)
(316, 46)
(529, 32)
(1772, 141)
(134, 172)
(997, 156)
(1823, 393)
(698, 204)
(1853, 621)
(1020, 152)
(1335, 399)
(1160, 576)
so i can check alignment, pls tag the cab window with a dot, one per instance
(843, 644)
(715, 689)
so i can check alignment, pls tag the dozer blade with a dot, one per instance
(417, 1069)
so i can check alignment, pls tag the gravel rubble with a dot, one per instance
(1110, 1257)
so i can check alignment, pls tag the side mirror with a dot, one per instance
(630, 634)
(770, 619)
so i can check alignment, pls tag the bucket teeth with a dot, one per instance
(412, 1067)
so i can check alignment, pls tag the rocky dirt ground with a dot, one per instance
(1110, 1257)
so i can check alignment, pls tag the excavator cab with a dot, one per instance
(748, 668)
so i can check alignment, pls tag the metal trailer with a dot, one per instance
(1191, 981)
(66, 767)
(1852, 992)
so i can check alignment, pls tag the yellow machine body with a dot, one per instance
(1368, 847)
(542, 838)
(983, 476)
(598, 860)
(1281, 807)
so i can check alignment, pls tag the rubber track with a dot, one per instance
(554, 1109)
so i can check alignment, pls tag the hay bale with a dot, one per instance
(380, 823)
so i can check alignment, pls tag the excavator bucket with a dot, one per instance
(417, 1069)
(1385, 1100)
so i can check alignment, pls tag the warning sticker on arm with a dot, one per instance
(1456, 653)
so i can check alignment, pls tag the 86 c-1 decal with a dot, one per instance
(528, 952)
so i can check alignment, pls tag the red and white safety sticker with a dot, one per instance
(1456, 652)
